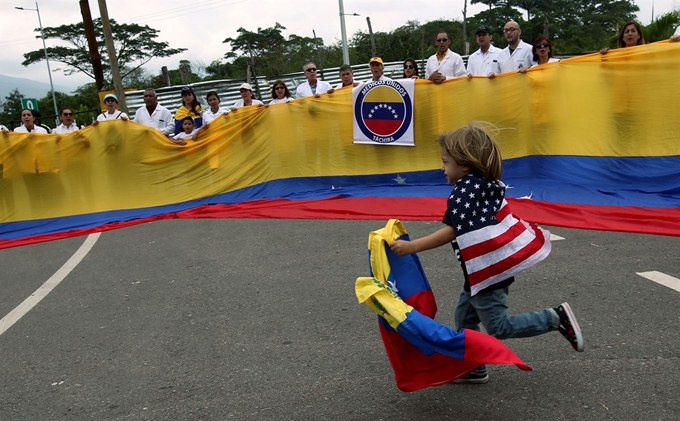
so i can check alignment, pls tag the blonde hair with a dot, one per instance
(474, 147)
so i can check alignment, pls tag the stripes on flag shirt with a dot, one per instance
(491, 244)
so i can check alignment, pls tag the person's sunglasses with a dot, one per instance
(510, 30)
(409, 66)
(280, 88)
(542, 45)
(311, 69)
(67, 114)
(442, 39)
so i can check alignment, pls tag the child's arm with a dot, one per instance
(436, 239)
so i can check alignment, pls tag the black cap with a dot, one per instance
(187, 89)
(484, 29)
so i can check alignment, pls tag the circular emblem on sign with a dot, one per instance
(383, 111)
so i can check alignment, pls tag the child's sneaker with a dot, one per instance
(569, 326)
(478, 376)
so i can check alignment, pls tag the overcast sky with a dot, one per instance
(202, 25)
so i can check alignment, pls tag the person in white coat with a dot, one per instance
(517, 55)
(313, 86)
(445, 64)
(484, 62)
(155, 115)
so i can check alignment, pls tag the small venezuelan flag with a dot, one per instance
(422, 351)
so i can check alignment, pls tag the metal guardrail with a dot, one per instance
(171, 96)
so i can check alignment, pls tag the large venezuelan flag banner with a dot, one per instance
(422, 351)
(593, 140)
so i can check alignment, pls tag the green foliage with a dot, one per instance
(11, 108)
(135, 45)
(662, 27)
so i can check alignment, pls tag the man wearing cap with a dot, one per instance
(484, 62)
(68, 124)
(313, 86)
(377, 69)
(246, 92)
(155, 115)
(445, 64)
(111, 113)
(518, 54)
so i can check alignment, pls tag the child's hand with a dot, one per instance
(401, 247)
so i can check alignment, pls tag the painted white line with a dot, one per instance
(554, 237)
(662, 279)
(30, 302)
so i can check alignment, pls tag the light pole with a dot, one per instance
(49, 72)
(343, 31)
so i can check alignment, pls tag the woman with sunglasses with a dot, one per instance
(190, 108)
(411, 70)
(280, 92)
(542, 51)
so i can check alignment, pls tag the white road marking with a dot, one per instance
(30, 302)
(554, 237)
(662, 279)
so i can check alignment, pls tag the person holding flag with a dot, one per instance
(490, 243)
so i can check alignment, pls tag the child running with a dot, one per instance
(490, 243)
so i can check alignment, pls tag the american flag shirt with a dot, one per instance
(493, 244)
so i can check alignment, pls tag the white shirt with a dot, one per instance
(280, 100)
(482, 64)
(209, 115)
(677, 31)
(184, 135)
(550, 60)
(160, 119)
(239, 103)
(106, 116)
(451, 66)
(62, 129)
(339, 85)
(383, 77)
(36, 129)
(522, 56)
(304, 89)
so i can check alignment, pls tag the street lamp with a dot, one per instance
(345, 48)
(49, 72)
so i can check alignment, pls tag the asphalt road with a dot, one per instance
(257, 320)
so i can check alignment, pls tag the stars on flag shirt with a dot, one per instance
(493, 244)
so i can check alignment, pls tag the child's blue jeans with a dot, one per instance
(490, 308)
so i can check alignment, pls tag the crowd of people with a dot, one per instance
(191, 116)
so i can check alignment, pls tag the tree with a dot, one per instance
(265, 49)
(135, 46)
(11, 107)
(662, 27)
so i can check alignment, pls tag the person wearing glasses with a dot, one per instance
(543, 52)
(411, 70)
(155, 115)
(445, 64)
(484, 62)
(68, 124)
(346, 77)
(517, 54)
(312, 86)
(377, 69)
(280, 92)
